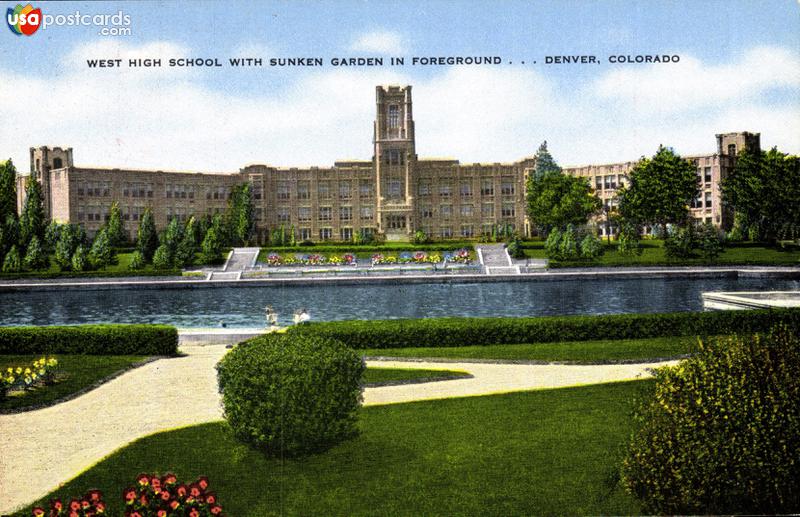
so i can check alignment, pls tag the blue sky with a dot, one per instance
(739, 70)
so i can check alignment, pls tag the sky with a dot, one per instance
(738, 70)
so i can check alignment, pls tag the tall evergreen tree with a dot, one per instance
(35, 257)
(101, 254)
(146, 236)
(114, 227)
(660, 190)
(545, 164)
(8, 190)
(240, 215)
(31, 221)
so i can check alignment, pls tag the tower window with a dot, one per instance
(394, 116)
(732, 149)
(57, 163)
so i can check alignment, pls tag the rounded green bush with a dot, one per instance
(289, 395)
(722, 433)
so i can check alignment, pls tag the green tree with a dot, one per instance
(545, 164)
(556, 200)
(184, 252)
(12, 262)
(710, 241)
(161, 258)
(11, 228)
(137, 261)
(52, 234)
(101, 254)
(173, 236)
(68, 242)
(629, 239)
(146, 236)
(36, 257)
(79, 260)
(114, 228)
(32, 221)
(8, 190)
(660, 190)
(764, 190)
(212, 246)
(240, 215)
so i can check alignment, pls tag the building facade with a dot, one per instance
(394, 194)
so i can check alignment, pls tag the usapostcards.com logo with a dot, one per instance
(27, 20)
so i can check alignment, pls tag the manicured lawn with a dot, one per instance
(553, 452)
(381, 375)
(75, 372)
(653, 255)
(570, 351)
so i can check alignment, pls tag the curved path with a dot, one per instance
(43, 448)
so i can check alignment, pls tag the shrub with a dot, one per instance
(420, 237)
(710, 241)
(79, 261)
(454, 332)
(679, 243)
(36, 258)
(162, 258)
(722, 432)
(291, 394)
(591, 246)
(629, 240)
(552, 244)
(137, 260)
(568, 247)
(12, 262)
(101, 254)
(90, 340)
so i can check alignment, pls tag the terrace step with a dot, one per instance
(241, 259)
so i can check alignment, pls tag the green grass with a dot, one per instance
(653, 255)
(75, 372)
(570, 351)
(553, 452)
(381, 375)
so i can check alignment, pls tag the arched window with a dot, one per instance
(57, 164)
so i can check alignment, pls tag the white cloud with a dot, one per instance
(171, 119)
(380, 42)
(692, 84)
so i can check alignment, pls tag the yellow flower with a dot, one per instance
(27, 371)
(42, 371)
(19, 370)
(10, 370)
(52, 361)
(11, 380)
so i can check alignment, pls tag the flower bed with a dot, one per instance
(41, 372)
(152, 496)
(462, 256)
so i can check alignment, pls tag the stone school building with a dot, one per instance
(394, 194)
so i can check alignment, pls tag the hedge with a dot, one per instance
(381, 248)
(89, 274)
(90, 340)
(454, 332)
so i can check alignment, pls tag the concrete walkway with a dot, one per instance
(41, 449)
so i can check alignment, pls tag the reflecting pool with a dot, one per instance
(244, 306)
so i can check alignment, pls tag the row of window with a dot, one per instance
(366, 189)
(94, 189)
(466, 230)
(325, 213)
(487, 211)
(326, 234)
(507, 188)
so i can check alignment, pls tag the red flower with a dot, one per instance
(143, 500)
(211, 498)
(203, 482)
(85, 504)
(101, 506)
(194, 513)
(73, 513)
(130, 495)
(155, 482)
(135, 514)
(194, 490)
(216, 510)
(170, 479)
(182, 490)
(165, 495)
(161, 513)
(74, 505)
(38, 511)
(174, 504)
(143, 479)
(94, 495)
(55, 504)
